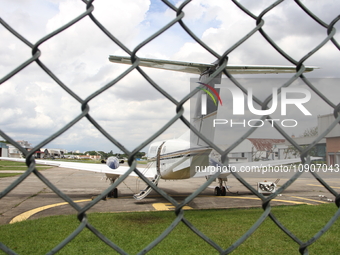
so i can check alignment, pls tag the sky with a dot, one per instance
(33, 106)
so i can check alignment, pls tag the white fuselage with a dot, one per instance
(175, 158)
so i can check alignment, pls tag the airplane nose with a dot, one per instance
(112, 162)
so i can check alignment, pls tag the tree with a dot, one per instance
(313, 131)
(309, 132)
(140, 154)
(93, 153)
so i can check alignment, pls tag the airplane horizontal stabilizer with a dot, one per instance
(199, 68)
(180, 66)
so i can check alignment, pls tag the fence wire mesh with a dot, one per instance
(178, 13)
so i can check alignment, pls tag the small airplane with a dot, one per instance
(176, 158)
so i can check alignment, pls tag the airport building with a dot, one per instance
(255, 149)
(3, 150)
(332, 138)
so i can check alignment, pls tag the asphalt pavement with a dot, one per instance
(33, 199)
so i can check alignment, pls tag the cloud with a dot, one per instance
(34, 106)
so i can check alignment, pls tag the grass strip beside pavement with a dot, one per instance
(15, 166)
(134, 231)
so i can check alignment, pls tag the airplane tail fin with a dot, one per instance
(203, 108)
(204, 104)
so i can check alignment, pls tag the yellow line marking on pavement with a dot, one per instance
(157, 206)
(323, 186)
(26, 215)
(303, 198)
(168, 207)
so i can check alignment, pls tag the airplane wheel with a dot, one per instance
(223, 191)
(217, 191)
(115, 192)
(110, 194)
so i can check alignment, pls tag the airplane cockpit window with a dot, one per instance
(153, 150)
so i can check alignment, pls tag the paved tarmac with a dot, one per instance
(33, 199)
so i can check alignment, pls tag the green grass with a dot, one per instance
(3, 175)
(142, 162)
(11, 163)
(21, 168)
(15, 166)
(134, 231)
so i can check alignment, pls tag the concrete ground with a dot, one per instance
(33, 199)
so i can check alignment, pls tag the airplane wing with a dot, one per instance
(100, 168)
(199, 68)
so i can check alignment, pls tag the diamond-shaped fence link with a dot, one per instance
(179, 13)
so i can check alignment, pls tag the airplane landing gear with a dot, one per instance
(217, 191)
(221, 190)
(113, 193)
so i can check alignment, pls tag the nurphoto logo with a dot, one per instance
(204, 97)
(238, 104)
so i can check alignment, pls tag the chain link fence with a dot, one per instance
(179, 13)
